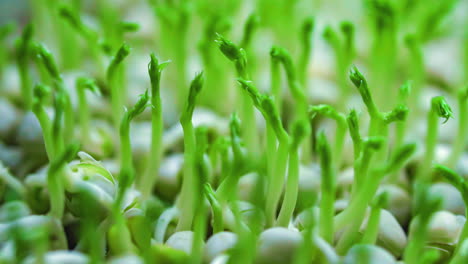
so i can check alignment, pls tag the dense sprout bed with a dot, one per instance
(204, 131)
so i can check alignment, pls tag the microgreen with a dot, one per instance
(226, 190)
(370, 235)
(40, 95)
(115, 79)
(62, 95)
(246, 111)
(215, 208)
(55, 208)
(328, 188)
(11, 180)
(353, 125)
(300, 131)
(87, 33)
(150, 177)
(82, 84)
(461, 137)
(267, 107)
(127, 171)
(439, 109)
(55, 181)
(367, 187)
(250, 26)
(341, 125)
(188, 188)
(23, 54)
(305, 38)
(298, 92)
(460, 183)
(425, 206)
(344, 53)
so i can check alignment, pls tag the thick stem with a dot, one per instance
(187, 191)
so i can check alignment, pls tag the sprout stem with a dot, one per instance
(115, 79)
(304, 60)
(328, 189)
(22, 59)
(246, 109)
(439, 109)
(462, 133)
(460, 183)
(82, 84)
(127, 170)
(372, 229)
(300, 131)
(150, 177)
(12, 181)
(40, 92)
(55, 181)
(218, 225)
(187, 205)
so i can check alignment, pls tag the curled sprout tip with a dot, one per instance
(441, 108)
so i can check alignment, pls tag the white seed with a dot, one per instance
(169, 180)
(399, 202)
(277, 245)
(128, 259)
(182, 241)
(444, 228)
(60, 257)
(452, 200)
(219, 243)
(368, 254)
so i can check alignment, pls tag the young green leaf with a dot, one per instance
(361, 84)
(353, 126)
(48, 61)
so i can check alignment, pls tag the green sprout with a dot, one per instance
(23, 54)
(187, 205)
(426, 205)
(439, 109)
(40, 95)
(246, 109)
(300, 131)
(150, 177)
(328, 188)
(226, 189)
(82, 84)
(370, 235)
(267, 107)
(306, 35)
(55, 181)
(462, 186)
(216, 208)
(127, 171)
(47, 59)
(341, 125)
(462, 132)
(116, 81)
